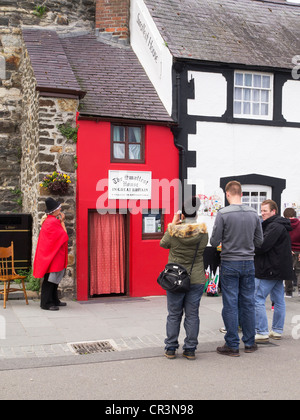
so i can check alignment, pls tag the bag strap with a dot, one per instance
(194, 259)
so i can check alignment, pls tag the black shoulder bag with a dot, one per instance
(175, 277)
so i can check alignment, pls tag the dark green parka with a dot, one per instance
(182, 240)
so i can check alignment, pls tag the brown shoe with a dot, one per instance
(227, 351)
(189, 354)
(251, 349)
(170, 354)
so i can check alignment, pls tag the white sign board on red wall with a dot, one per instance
(123, 185)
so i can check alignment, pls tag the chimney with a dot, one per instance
(112, 20)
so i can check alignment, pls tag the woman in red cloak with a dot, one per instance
(51, 256)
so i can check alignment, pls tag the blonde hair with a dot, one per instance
(43, 219)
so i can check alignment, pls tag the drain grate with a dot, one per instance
(91, 347)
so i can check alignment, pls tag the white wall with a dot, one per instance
(237, 149)
(151, 51)
(210, 94)
(291, 101)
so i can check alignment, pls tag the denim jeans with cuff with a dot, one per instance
(238, 287)
(184, 303)
(275, 289)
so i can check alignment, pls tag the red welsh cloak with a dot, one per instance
(51, 253)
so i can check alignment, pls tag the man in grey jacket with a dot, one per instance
(238, 229)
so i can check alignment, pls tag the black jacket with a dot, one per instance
(273, 260)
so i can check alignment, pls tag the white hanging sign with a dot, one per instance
(124, 185)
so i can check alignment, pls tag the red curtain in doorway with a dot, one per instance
(107, 253)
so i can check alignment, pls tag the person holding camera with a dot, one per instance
(181, 238)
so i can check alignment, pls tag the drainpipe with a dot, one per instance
(177, 68)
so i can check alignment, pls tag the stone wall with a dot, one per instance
(10, 117)
(44, 150)
(31, 146)
(64, 16)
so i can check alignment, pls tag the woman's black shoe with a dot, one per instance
(51, 308)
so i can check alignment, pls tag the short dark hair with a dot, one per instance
(191, 206)
(289, 212)
(234, 188)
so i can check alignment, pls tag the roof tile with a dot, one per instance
(250, 32)
(116, 83)
(49, 61)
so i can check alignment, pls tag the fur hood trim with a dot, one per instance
(187, 230)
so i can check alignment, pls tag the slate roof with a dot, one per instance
(50, 64)
(114, 81)
(249, 32)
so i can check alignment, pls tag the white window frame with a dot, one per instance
(253, 90)
(259, 190)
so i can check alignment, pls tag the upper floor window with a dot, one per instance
(127, 144)
(253, 95)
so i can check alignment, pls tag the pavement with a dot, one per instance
(130, 327)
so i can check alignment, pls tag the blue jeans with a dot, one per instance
(238, 286)
(188, 303)
(275, 289)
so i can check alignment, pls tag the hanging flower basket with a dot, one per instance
(56, 183)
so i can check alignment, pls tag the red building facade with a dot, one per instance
(133, 267)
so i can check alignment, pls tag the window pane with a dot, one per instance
(246, 108)
(255, 109)
(119, 151)
(264, 109)
(119, 133)
(254, 197)
(238, 93)
(134, 134)
(134, 151)
(257, 80)
(248, 79)
(247, 94)
(266, 82)
(239, 79)
(263, 196)
(265, 96)
(152, 222)
(256, 95)
(237, 107)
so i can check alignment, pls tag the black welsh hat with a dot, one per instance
(51, 205)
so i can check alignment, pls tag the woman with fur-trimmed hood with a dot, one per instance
(181, 238)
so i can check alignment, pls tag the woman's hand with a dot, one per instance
(61, 216)
(177, 219)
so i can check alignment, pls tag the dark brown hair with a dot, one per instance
(289, 212)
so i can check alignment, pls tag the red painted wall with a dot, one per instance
(146, 258)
